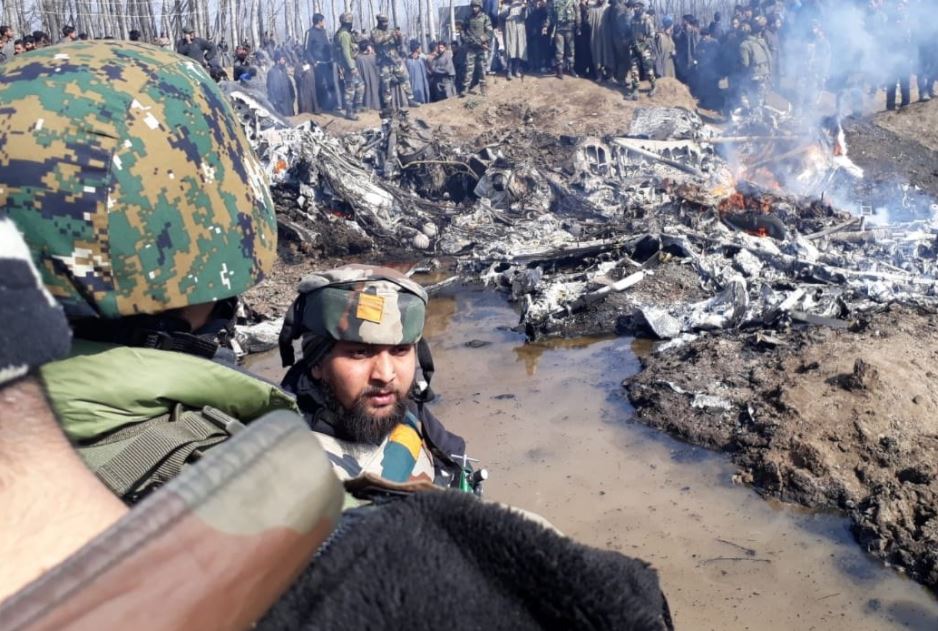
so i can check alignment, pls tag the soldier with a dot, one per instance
(387, 44)
(361, 329)
(563, 23)
(477, 33)
(147, 244)
(755, 66)
(197, 48)
(141, 238)
(353, 93)
(642, 50)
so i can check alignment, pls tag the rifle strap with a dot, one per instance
(150, 453)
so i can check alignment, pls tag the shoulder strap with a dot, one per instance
(136, 459)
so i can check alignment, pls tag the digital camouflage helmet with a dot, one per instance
(357, 303)
(131, 179)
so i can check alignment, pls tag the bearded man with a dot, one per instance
(361, 328)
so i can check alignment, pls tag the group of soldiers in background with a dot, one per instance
(776, 45)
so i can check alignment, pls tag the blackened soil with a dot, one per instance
(826, 418)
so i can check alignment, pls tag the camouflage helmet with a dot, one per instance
(131, 179)
(356, 303)
(188, 30)
(476, 3)
(381, 18)
(346, 18)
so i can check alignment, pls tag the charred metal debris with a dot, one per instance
(763, 223)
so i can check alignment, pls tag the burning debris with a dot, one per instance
(729, 245)
(585, 235)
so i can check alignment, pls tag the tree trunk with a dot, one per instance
(452, 21)
(255, 14)
(431, 19)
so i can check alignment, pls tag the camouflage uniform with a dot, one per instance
(755, 64)
(353, 87)
(641, 50)
(563, 19)
(477, 33)
(387, 48)
(370, 305)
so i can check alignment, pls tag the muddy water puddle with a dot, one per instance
(550, 423)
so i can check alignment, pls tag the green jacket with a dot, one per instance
(754, 58)
(101, 387)
(342, 44)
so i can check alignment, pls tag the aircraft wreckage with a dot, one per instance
(753, 216)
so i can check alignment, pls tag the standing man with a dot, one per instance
(477, 34)
(387, 44)
(664, 49)
(197, 48)
(280, 90)
(600, 43)
(642, 50)
(353, 93)
(563, 22)
(513, 18)
(442, 72)
(319, 53)
(417, 70)
(7, 37)
(755, 66)
(69, 34)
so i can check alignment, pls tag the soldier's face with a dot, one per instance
(370, 379)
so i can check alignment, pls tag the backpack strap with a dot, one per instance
(136, 459)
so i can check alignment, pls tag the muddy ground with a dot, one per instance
(841, 419)
(844, 419)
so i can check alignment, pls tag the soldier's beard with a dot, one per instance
(357, 425)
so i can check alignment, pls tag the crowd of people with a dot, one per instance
(797, 48)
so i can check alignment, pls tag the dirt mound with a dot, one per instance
(547, 104)
(823, 417)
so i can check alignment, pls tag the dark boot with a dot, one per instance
(653, 91)
(350, 114)
(412, 103)
(558, 71)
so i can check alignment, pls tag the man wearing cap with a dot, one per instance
(477, 36)
(197, 48)
(563, 22)
(353, 92)
(755, 64)
(361, 329)
(387, 44)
